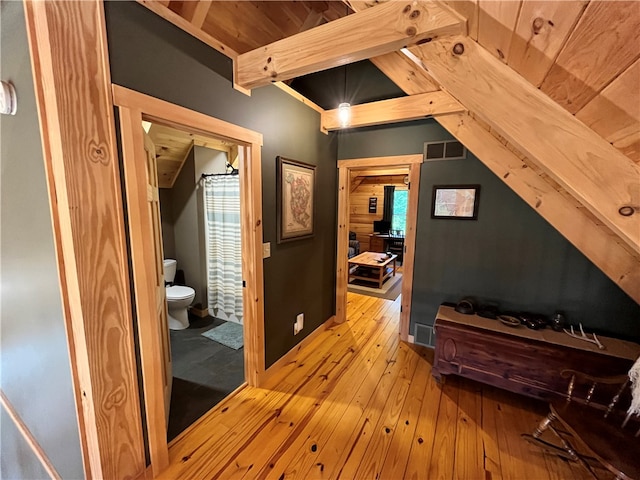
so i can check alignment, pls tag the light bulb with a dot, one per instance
(344, 114)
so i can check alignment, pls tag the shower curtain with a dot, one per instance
(223, 245)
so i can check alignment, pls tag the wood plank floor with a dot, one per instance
(359, 404)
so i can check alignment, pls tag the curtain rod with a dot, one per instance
(234, 171)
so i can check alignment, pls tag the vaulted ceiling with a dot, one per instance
(545, 93)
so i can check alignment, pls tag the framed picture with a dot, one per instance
(459, 202)
(296, 199)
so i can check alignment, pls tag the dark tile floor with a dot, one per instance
(204, 372)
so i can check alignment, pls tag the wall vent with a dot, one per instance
(449, 150)
(424, 335)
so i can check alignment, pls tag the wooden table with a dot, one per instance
(372, 267)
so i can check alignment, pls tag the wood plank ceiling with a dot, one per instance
(583, 55)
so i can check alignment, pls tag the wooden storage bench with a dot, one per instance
(519, 359)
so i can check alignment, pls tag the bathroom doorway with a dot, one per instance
(155, 364)
(199, 203)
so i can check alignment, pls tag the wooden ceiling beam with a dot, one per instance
(394, 110)
(375, 31)
(379, 172)
(573, 223)
(160, 8)
(584, 164)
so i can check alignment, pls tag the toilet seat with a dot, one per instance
(179, 292)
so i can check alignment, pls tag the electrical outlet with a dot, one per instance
(266, 250)
(300, 321)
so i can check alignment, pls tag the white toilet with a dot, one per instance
(178, 298)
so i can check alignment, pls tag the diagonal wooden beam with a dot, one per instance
(584, 164)
(375, 31)
(394, 110)
(160, 9)
(573, 223)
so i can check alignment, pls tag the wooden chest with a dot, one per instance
(519, 359)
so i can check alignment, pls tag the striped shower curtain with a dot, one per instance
(223, 244)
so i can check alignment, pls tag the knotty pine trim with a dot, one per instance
(28, 437)
(68, 48)
(345, 170)
(292, 354)
(134, 108)
(342, 250)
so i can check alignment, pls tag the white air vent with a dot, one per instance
(424, 335)
(449, 150)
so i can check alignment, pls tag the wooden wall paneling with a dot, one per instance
(604, 43)
(342, 270)
(72, 83)
(349, 39)
(410, 249)
(615, 112)
(496, 23)
(594, 242)
(160, 8)
(584, 164)
(143, 263)
(394, 110)
(542, 30)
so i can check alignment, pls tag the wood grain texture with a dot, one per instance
(594, 241)
(496, 23)
(410, 77)
(357, 403)
(603, 44)
(394, 110)
(159, 8)
(69, 52)
(584, 164)
(356, 37)
(542, 30)
(342, 268)
(469, 10)
(410, 250)
(615, 113)
(143, 263)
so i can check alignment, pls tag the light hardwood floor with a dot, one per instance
(359, 404)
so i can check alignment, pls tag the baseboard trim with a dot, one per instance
(29, 438)
(199, 312)
(290, 356)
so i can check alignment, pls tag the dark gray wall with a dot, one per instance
(34, 357)
(510, 256)
(152, 56)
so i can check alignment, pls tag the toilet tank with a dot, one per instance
(169, 269)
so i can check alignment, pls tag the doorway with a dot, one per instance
(349, 173)
(143, 218)
(199, 208)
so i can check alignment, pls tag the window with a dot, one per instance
(399, 217)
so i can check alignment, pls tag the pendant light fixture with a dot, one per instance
(344, 109)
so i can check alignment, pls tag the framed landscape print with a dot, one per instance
(296, 199)
(458, 202)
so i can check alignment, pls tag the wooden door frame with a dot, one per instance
(133, 108)
(345, 168)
